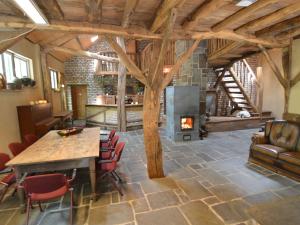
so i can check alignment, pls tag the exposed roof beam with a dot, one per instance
(13, 8)
(50, 39)
(274, 67)
(228, 49)
(79, 43)
(93, 55)
(163, 13)
(289, 34)
(9, 42)
(54, 8)
(203, 11)
(126, 61)
(94, 10)
(81, 28)
(272, 18)
(295, 80)
(242, 14)
(279, 27)
(128, 11)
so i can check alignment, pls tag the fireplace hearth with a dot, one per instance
(183, 112)
(187, 123)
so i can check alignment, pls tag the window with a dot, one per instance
(54, 79)
(13, 65)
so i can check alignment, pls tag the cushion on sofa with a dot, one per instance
(270, 150)
(284, 135)
(291, 157)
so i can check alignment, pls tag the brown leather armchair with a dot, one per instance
(278, 148)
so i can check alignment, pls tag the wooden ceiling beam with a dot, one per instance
(203, 11)
(295, 80)
(79, 43)
(228, 49)
(288, 34)
(93, 55)
(54, 8)
(16, 11)
(9, 42)
(279, 27)
(128, 11)
(133, 32)
(163, 13)
(242, 14)
(94, 10)
(269, 19)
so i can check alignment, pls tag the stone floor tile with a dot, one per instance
(199, 214)
(183, 173)
(111, 214)
(227, 192)
(115, 198)
(162, 199)
(212, 176)
(205, 157)
(140, 205)
(131, 191)
(6, 215)
(103, 199)
(211, 200)
(233, 211)
(161, 217)
(193, 189)
(288, 192)
(156, 185)
(260, 198)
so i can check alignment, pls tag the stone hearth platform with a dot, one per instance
(207, 182)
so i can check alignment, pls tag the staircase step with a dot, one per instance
(237, 95)
(231, 85)
(239, 100)
(266, 113)
(244, 106)
(228, 79)
(234, 90)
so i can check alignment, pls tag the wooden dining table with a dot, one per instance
(54, 153)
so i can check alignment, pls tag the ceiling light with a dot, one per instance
(245, 3)
(94, 38)
(32, 11)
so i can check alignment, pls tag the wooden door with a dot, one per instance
(79, 100)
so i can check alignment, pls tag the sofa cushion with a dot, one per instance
(291, 157)
(270, 150)
(284, 135)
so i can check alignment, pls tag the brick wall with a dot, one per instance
(81, 70)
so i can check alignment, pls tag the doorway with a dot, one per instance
(79, 100)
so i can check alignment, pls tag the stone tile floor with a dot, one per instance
(207, 182)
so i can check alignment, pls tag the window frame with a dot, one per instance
(15, 55)
(56, 87)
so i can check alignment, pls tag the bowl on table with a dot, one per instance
(70, 131)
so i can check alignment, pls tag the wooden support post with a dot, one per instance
(260, 90)
(46, 77)
(121, 90)
(287, 68)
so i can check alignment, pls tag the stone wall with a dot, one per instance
(195, 71)
(81, 70)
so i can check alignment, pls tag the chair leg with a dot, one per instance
(3, 193)
(117, 175)
(40, 206)
(28, 209)
(71, 206)
(115, 185)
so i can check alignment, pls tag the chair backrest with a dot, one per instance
(118, 151)
(111, 134)
(16, 148)
(30, 139)
(4, 158)
(114, 141)
(44, 183)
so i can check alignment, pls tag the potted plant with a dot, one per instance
(18, 83)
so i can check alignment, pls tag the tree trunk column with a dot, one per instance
(151, 135)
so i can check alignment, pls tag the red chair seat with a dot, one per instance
(50, 195)
(105, 155)
(9, 179)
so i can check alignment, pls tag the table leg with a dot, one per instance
(92, 168)
(20, 191)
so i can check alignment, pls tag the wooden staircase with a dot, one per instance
(240, 85)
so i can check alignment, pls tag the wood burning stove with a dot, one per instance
(187, 123)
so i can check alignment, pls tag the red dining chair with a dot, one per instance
(104, 143)
(45, 187)
(16, 148)
(30, 139)
(108, 167)
(8, 179)
(105, 152)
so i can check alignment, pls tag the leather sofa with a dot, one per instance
(278, 148)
